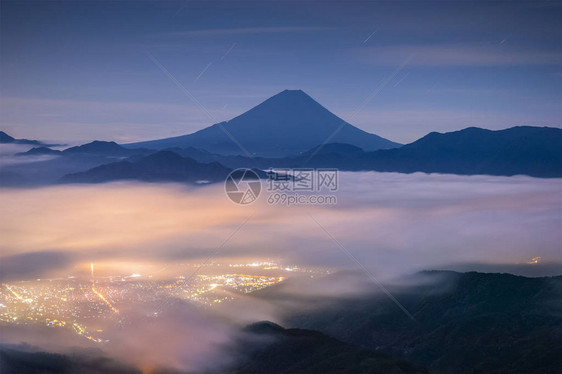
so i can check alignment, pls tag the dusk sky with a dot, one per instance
(81, 70)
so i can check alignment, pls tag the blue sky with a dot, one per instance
(82, 70)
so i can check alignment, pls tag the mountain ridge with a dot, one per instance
(161, 166)
(7, 139)
(520, 150)
(492, 314)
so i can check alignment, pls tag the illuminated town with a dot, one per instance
(534, 260)
(88, 306)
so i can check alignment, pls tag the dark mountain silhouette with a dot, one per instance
(39, 151)
(158, 167)
(288, 123)
(534, 151)
(7, 139)
(197, 154)
(269, 348)
(263, 347)
(102, 148)
(526, 150)
(464, 322)
(72, 160)
(333, 148)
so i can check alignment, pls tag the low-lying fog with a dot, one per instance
(392, 223)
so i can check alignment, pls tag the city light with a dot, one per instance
(83, 305)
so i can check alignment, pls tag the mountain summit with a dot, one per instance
(288, 123)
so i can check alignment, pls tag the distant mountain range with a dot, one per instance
(288, 123)
(40, 151)
(158, 167)
(106, 149)
(526, 150)
(534, 151)
(523, 150)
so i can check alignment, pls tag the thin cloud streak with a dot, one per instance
(459, 55)
(203, 71)
(247, 30)
(227, 52)
(370, 36)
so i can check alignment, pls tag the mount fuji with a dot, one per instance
(288, 123)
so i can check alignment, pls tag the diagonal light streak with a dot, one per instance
(370, 36)
(227, 52)
(204, 70)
